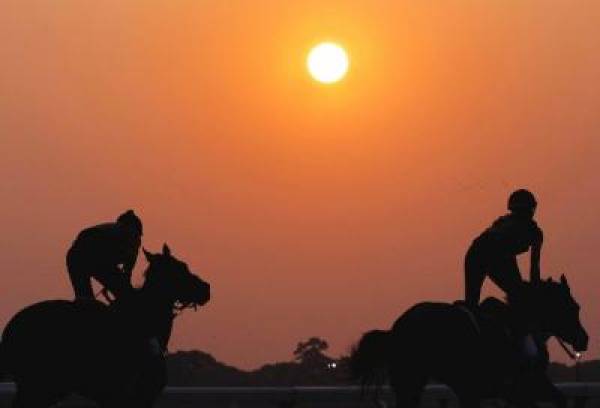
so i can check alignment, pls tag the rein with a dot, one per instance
(573, 355)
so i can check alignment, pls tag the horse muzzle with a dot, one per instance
(580, 343)
(203, 294)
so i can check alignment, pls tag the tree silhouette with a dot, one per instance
(311, 352)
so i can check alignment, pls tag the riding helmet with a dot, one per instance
(521, 200)
(129, 219)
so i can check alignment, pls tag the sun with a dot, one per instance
(327, 62)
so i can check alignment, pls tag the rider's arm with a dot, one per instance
(536, 250)
(131, 259)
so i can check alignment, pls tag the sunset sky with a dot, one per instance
(311, 209)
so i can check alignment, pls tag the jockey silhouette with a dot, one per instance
(106, 252)
(494, 252)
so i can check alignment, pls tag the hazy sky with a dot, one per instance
(311, 209)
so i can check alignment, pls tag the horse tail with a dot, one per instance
(6, 364)
(3, 362)
(369, 360)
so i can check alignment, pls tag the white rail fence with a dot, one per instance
(580, 394)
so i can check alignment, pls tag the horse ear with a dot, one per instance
(563, 281)
(166, 250)
(149, 256)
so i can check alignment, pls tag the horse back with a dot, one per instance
(55, 316)
(437, 325)
(41, 335)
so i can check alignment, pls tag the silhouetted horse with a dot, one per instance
(476, 358)
(110, 354)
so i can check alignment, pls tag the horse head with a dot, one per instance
(558, 313)
(171, 279)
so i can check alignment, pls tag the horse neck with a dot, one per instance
(530, 309)
(157, 310)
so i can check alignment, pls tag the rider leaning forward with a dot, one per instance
(107, 253)
(494, 252)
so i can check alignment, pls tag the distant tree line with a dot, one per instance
(309, 366)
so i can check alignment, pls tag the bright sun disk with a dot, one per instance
(327, 62)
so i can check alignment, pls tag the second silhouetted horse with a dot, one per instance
(476, 359)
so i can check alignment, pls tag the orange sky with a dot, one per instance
(311, 209)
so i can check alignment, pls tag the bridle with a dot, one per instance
(180, 307)
(573, 355)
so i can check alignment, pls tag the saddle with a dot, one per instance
(490, 311)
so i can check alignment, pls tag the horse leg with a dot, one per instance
(149, 384)
(467, 395)
(545, 390)
(469, 401)
(152, 389)
(33, 396)
(407, 386)
(553, 393)
(146, 395)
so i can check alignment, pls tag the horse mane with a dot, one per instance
(152, 274)
(529, 300)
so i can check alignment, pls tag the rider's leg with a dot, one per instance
(474, 277)
(80, 278)
(504, 272)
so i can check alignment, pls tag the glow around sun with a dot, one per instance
(327, 62)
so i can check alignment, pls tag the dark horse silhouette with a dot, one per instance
(476, 358)
(110, 354)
